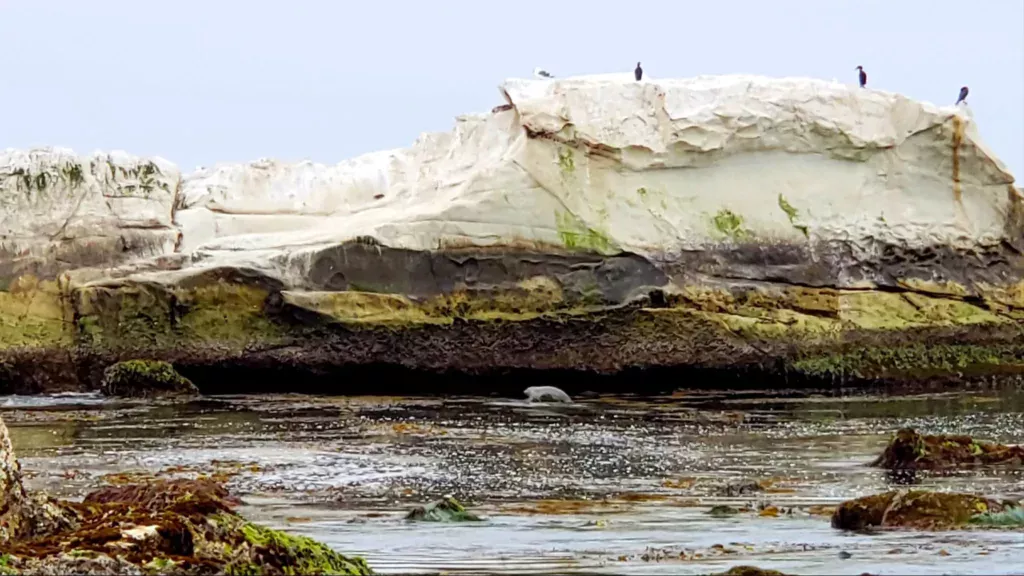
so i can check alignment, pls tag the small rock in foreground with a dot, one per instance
(145, 379)
(446, 510)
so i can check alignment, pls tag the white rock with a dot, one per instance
(596, 162)
(52, 200)
(648, 167)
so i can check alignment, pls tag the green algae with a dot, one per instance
(566, 160)
(730, 224)
(144, 378)
(306, 556)
(1011, 518)
(32, 314)
(792, 214)
(576, 235)
(5, 565)
(159, 565)
(875, 361)
(221, 313)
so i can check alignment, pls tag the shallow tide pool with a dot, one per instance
(611, 484)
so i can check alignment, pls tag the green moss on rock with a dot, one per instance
(894, 361)
(305, 555)
(145, 378)
(576, 235)
(223, 314)
(730, 224)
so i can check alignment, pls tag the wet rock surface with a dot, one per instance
(917, 509)
(910, 451)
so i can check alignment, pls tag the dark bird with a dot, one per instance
(541, 73)
(639, 72)
(863, 76)
(963, 96)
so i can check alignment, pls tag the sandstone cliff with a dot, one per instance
(794, 226)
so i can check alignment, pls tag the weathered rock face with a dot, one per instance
(595, 223)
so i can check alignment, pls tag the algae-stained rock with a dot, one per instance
(819, 234)
(163, 527)
(145, 378)
(447, 509)
(918, 509)
(909, 450)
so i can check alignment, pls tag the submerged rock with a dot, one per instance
(909, 450)
(723, 511)
(447, 509)
(145, 378)
(593, 224)
(749, 571)
(918, 509)
(165, 527)
(546, 394)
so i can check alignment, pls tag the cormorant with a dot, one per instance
(963, 96)
(639, 72)
(863, 76)
(539, 73)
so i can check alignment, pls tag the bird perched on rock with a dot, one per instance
(863, 76)
(639, 72)
(963, 96)
(539, 73)
(546, 394)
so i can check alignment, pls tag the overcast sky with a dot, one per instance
(201, 82)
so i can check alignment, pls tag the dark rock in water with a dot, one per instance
(749, 571)
(145, 378)
(546, 394)
(722, 511)
(179, 527)
(909, 450)
(918, 509)
(447, 509)
(736, 489)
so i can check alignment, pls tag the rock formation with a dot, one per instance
(791, 226)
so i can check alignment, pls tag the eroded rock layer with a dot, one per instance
(791, 226)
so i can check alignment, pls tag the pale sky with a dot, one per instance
(201, 82)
